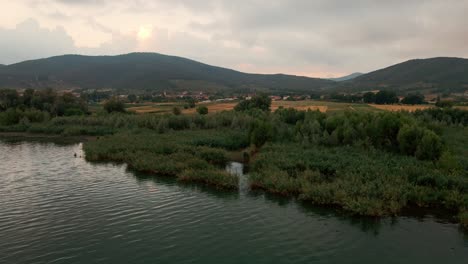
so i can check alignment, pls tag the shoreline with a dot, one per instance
(45, 137)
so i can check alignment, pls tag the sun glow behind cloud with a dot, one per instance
(145, 32)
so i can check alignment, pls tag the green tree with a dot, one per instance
(132, 98)
(262, 102)
(243, 105)
(369, 98)
(408, 139)
(202, 110)
(386, 97)
(8, 98)
(176, 111)
(260, 133)
(10, 117)
(413, 99)
(28, 95)
(190, 102)
(114, 105)
(430, 147)
(444, 104)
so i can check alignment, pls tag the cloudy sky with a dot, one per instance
(321, 38)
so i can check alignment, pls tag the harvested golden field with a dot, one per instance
(212, 107)
(298, 105)
(154, 108)
(322, 106)
(394, 108)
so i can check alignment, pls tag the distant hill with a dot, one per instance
(424, 75)
(146, 71)
(347, 77)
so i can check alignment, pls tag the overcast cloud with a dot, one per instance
(321, 38)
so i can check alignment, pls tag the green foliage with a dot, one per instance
(146, 71)
(408, 138)
(262, 102)
(386, 97)
(447, 116)
(190, 102)
(369, 97)
(8, 98)
(290, 115)
(430, 147)
(132, 98)
(46, 100)
(260, 133)
(369, 163)
(169, 154)
(413, 99)
(176, 110)
(13, 116)
(365, 182)
(214, 177)
(444, 104)
(202, 110)
(114, 105)
(441, 73)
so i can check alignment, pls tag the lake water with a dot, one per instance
(55, 208)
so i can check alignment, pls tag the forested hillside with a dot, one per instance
(145, 71)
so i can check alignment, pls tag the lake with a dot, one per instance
(57, 208)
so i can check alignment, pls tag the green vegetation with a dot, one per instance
(261, 102)
(114, 105)
(176, 110)
(174, 154)
(145, 71)
(202, 110)
(436, 74)
(37, 106)
(413, 99)
(366, 162)
(362, 181)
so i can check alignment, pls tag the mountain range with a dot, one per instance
(347, 77)
(158, 72)
(148, 71)
(434, 74)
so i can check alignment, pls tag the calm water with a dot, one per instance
(55, 208)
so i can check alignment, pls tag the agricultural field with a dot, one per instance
(395, 108)
(214, 107)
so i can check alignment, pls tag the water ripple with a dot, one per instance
(55, 208)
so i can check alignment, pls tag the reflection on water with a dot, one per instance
(55, 208)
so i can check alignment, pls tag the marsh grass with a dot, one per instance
(364, 182)
(177, 154)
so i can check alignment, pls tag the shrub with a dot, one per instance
(202, 110)
(430, 147)
(176, 111)
(114, 105)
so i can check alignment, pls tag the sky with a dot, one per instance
(317, 38)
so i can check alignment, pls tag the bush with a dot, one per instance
(10, 117)
(176, 111)
(262, 102)
(413, 99)
(215, 177)
(260, 133)
(430, 147)
(444, 104)
(114, 105)
(202, 110)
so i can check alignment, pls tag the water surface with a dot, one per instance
(55, 208)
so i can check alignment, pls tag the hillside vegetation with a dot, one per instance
(440, 74)
(145, 71)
